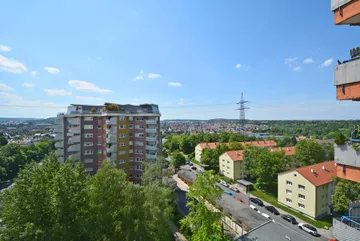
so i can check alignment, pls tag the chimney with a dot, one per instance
(237, 153)
(288, 149)
(335, 164)
(312, 170)
(323, 167)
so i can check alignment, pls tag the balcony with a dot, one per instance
(346, 155)
(75, 130)
(74, 139)
(59, 152)
(151, 156)
(347, 80)
(61, 159)
(111, 149)
(59, 129)
(112, 158)
(151, 138)
(151, 122)
(73, 121)
(111, 138)
(74, 148)
(151, 130)
(111, 130)
(59, 144)
(59, 137)
(151, 148)
(111, 121)
(346, 11)
(75, 156)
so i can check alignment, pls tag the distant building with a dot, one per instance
(308, 189)
(231, 163)
(212, 145)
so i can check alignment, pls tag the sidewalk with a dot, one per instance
(323, 232)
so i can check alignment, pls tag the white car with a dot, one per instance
(266, 216)
(308, 228)
(224, 183)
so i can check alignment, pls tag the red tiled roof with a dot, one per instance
(211, 145)
(289, 150)
(235, 155)
(267, 143)
(316, 174)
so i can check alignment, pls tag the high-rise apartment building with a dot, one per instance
(124, 134)
(347, 82)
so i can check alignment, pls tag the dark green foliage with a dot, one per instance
(309, 152)
(345, 192)
(3, 141)
(340, 138)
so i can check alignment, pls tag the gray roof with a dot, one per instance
(244, 182)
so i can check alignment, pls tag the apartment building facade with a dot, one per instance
(231, 163)
(308, 189)
(126, 136)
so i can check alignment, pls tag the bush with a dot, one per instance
(93, 110)
(111, 107)
(340, 139)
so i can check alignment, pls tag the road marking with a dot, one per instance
(292, 230)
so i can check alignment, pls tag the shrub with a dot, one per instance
(93, 110)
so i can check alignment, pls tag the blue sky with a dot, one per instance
(192, 58)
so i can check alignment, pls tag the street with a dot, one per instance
(277, 229)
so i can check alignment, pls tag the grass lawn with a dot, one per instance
(327, 221)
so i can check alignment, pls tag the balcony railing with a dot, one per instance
(148, 138)
(111, 149)
(150, 156)
(59, 129)
(111, 121)
(74, 148)
(151, 130)
(73, 121)
(111, 138)
(151, 148)
(75, 130)
(347, 155)
(59, 152)
(59, 137)
(111, 130)
(112, 158)
(75, 156)
(151, 122)
(74, 139)
(59, 144)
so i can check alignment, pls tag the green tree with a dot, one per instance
(204, 224)
(286, 141)
(329, 151)
(236, 146)
(3, 141)
(309, 152)
(345, 192)
(177, 159)
(339, 138)
(47, 202)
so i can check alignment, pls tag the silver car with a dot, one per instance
(308, 228)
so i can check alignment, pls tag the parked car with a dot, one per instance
(191, 164)
(254, 208)
(257, 201)
(229, 193)
(235, 189)
(223, 183)
(266, 215)
(187, 161)
(289, 218)
(308, 228)
(193, 168)
(272, 209)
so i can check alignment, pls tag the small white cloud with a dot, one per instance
(4, 87)
(289, 60)
(33, 73)
(181, 102)
(175, 84)
(57, 92)
(237, 66)
(327, 63)
(4, 48)
(11, 65)
(52, 70)
(308, 61)
(140, 76)
(87, 87)
(28, 85)
(154, 76)
(88, 98)
(99, 58)
(297, 69)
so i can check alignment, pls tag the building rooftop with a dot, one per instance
(237, 155)
(289, 150)
(267, 143)
(320, 173)
(121, 108)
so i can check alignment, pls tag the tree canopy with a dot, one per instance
(177, 159)
(309, 152)
(345, 192)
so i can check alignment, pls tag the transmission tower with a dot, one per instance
(241, 110)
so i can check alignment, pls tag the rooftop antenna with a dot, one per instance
(241, 110)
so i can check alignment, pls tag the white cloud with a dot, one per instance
(28, 85)
(154, 76)
(33, 73)
(88, 98)
(175, 84)
(140, 76)
(237, 66)
(87, 87)
(308, 60)
(11, 65)
(4, 48)
(57, 92)
(289, 60)
(4, 87)
(327, 63)
(52, 70)
(181, 102)
(297, 69)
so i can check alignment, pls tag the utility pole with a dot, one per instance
(241, 110)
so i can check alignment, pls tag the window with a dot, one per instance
(122, 144)
(139, 126)
(122, 152)
(288, 191)
(301, 196)
(228, 167)
(88, 152)
(288, 183)
(139, 143)
(300, 205)
(288, 200)
(131, 159)
(88, 135)
(88, 144)
(99, 126)
(89, 169)
(88, 118)
(99, 143)
(223, 160)
(88, 160)
(301, 187)
(130, 135)
(130, 126)
(122, 126)
(122, 136)
(130, 143)
(139, 151)
(139, 118)
(122, 161)
(223, 165)
(99, 151)
(122, 118)
(100, 160)
(88, 127)
(131, 150)
(131, 167)
(131, 118)
(139, 135)
(131, 175)
(122, 169)
(139, 159)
